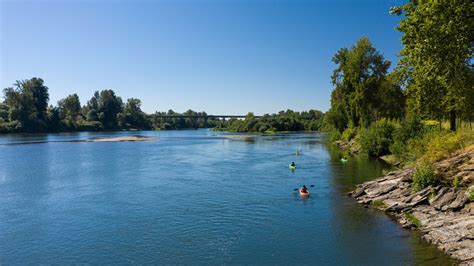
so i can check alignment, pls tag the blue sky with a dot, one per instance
(220, 56)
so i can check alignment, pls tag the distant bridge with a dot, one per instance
(203, 116)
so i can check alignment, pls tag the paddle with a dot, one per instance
(296, 189)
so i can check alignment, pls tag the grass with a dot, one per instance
(456, 182)
(412, 218)
(379, 204)
(442, 144)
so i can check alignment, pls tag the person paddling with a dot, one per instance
(304, 189)
(292, 164)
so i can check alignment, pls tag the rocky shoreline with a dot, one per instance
(443, 214)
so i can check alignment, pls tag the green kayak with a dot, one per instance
(292, 167)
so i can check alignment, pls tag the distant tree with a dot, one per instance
(26, 103)
(53, 119)
(133, 114)
(3, 112)
(69, 108)
(108, 106)
(364, 92)
(90, 110)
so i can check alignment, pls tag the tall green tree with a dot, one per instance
(133, 114)
(27, 102)
(363, 93)
(69, 107)
(104, 107)
(438, 40)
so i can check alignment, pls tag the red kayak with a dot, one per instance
(302, 193)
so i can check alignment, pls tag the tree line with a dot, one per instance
(288, 120)
(404, 112)
(432, 81)
(25, 109)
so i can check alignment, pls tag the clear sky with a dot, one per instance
(220, 56)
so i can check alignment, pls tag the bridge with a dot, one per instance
(203, 116)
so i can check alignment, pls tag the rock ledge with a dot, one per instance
(443, 214)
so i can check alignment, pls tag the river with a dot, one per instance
(192, 197)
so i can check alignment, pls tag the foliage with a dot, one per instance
(132, 115)
(89, 126)
(363, 91)
(470, 193)
(69, 109)
(424, 176)
(437, 57)
(187, 120)
(379, 204)
(25, 109)
(26, 103)
(412, 218)
(445, 143)
(288, 120)
(456, 182)
(409, 128)
(377, 138)
(349, 133)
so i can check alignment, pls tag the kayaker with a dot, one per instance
(304, 189)
(292, 164)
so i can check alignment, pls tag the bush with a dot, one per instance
(377, 138)
(445, 143)
(470, 193)
(410, 128)
(11, 127)
(89, 126)
(412, 218)
(425, 175)
(379, 204)
(349, 134)
(334, 135)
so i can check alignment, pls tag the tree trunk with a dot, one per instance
(452, 120)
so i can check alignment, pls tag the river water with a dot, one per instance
(192, 198)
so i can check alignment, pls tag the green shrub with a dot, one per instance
(89, 126)
(334, 135)
(11, 127)
(414, 140)
(377, 138)
(424, 176)
(349, 134)
(470, 193)
(379, 204)
(412, 218)
(409, 129)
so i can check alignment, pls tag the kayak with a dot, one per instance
(303, 193)
(344, 160)
(292, 167)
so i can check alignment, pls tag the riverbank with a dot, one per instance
(444, 214)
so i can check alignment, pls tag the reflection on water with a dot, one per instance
(192, 198)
